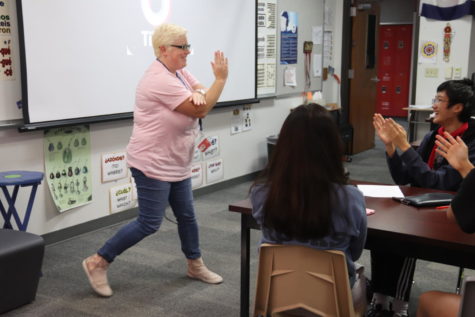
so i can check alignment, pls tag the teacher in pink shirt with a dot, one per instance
(169, 101)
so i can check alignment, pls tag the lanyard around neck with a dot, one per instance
(177, 75)
(200, 122)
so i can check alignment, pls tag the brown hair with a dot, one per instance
(305, 166)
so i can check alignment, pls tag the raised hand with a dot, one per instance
(383, 129)
(220, 66)
(399, 135)
(455, 151)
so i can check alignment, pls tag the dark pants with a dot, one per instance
(392, 274)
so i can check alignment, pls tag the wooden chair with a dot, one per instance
(467, 304)
(302, 281)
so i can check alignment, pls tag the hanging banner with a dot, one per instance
(447, 42)
(446, 10)
(68, 166)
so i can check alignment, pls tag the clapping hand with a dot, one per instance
(399, 135)
(382, 129)
(391, 133)
(455, 151)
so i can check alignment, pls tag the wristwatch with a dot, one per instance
(201, 91)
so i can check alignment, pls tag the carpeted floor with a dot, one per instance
(150, 278)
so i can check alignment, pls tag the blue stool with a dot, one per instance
(17, 179)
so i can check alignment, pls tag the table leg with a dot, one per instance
(459, 281)
(245, 245)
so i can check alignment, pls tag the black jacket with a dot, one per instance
(411, 166)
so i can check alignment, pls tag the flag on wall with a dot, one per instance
(446, 10)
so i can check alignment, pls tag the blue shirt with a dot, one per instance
(348, 231)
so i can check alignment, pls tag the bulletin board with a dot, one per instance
(305, 19)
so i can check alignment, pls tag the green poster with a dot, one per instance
(68, 166)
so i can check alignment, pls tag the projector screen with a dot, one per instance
(82, 60)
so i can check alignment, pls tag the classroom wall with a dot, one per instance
(330, 87)
(243, 153)
(432, 30)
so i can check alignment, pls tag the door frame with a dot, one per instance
(346, 62)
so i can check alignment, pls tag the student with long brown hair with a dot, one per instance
(302, 197)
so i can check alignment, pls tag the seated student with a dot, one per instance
(454, 150)
(392, 274)
(301, 197)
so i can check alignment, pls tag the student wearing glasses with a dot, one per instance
(455, 151)
(169, 101)
(453, 105)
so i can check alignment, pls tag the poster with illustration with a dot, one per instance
(428, 52)
(288, 37)
(67, 154)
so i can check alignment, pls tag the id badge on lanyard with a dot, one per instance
(203, 143)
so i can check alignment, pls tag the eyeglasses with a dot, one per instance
(185, 47)
(437, 100)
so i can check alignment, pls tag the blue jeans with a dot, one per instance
(153, 197)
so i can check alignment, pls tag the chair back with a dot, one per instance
(467, 303)
(301, 281)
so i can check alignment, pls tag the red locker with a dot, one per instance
(394, 62)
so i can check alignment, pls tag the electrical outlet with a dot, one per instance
(431, 72)
(457, 72)
(448, 72)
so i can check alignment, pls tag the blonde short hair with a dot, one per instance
(165, 34)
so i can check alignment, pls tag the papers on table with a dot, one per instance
(381, 191)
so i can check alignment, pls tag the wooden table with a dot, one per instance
(424, 233)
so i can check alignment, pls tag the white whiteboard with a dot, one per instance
(82, 59)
